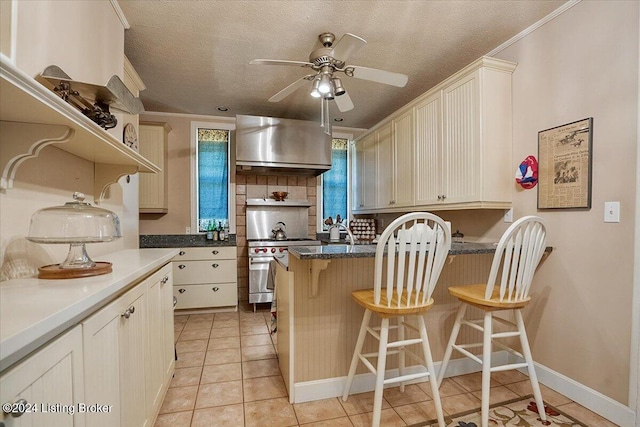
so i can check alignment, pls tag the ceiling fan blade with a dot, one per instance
(374, 75)
(343, 102)
(280, 62)
(347, 46)
(291, 88)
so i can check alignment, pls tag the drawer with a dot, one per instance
(212, 252)
(211, 271)
(210, 295)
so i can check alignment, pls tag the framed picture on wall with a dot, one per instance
(565, 163)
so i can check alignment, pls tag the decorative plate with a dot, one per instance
(130, 136)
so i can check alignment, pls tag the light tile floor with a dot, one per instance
(227, 374)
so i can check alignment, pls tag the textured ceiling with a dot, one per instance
(194, 56)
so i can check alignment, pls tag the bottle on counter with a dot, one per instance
(221, 235)
(210, 231)
(226, 230)
(216, 233)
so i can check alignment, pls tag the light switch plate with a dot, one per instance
(611, 211)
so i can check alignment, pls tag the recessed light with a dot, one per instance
(221, 108)
(338, 119)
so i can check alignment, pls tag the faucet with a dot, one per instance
(341, 225)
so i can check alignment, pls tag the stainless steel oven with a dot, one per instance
(261, 253)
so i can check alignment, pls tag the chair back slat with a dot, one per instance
(517, 256)
(417, 245)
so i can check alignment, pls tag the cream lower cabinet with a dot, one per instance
(206, 277)
(127, 354)
(48, 386)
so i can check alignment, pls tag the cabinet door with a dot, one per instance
(357, 174)
(154, 187)
(49, 384)
(403, 158)
(366, 164)
(461, 149)
(428, 139)
(157, 353)
(385, 170)
(167, 322)
(114, 346)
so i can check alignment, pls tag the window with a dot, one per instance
(335, 184)
(212, 196)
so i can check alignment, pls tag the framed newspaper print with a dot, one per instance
(565, 163)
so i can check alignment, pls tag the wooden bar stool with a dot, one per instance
(417, 245)
(517, 256)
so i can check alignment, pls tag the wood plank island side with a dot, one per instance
(317, 334)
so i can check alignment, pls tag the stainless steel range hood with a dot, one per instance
(272, 146)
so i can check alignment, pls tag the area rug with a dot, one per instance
(521, 412)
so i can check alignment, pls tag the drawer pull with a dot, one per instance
(17, 408)
(215, 252)
(215, 289)
(181, 253)
(164, 280)
(127, 313)
(215, 265)
(132, 308)
(182, 291)
(181, 266)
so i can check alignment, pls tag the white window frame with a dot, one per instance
(319, 210)
(194, 172)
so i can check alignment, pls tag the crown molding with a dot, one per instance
(522, 34)
(120, 13)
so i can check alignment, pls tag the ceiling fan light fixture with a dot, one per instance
(314, 89)
(324, 86)
(338, 89)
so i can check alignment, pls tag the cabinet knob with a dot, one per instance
(132, 308)
(181, 266)
(215, 265)
(182, 291)
(444, 197)
(181, 253)
(127, 313)
(215, 252)
(215, 289)
(164, 280)
(17, 408)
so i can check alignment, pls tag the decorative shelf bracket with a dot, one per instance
(22, 141)
(106, 175)
(317, 265)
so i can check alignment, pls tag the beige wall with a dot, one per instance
(90, 50)
(583, 64)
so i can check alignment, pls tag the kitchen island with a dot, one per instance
(318, 322)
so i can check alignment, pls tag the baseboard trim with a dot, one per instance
(597, 402)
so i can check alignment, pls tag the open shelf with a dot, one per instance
(25, 103)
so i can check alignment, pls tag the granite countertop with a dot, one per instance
(369, 251)
(182, 241)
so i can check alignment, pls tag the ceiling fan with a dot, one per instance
(327, 62)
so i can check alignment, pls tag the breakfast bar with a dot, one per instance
(318, 321)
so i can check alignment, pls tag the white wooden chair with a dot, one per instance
(517, 256)
(417, 245)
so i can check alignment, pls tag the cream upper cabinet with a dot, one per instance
(365, 169)
(153, 145)
(403, 159)
(385, 171)
(451, 147)
(428, 128)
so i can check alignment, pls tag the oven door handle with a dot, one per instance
(260, 260)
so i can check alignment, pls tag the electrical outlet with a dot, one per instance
(187, 230)
(508, 215)
(611, 211)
